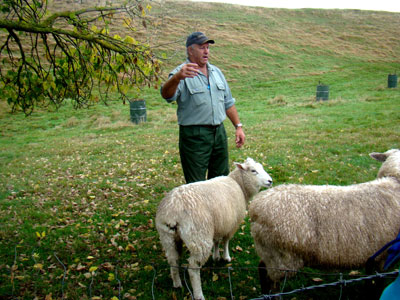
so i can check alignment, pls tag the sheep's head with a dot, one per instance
(391, 163)
(255, 173)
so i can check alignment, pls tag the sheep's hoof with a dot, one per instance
(228, 259)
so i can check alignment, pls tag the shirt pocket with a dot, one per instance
(197, 93)
(220, 90)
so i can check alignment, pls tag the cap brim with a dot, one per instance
(204, 41)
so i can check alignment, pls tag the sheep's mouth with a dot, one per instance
(267, 185)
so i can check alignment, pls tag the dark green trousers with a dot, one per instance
(203, 151)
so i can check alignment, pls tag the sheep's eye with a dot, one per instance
(254, 172)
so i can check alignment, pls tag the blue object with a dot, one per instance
(392, 291)
(393, 253)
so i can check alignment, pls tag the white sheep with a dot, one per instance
(325, 226)
(201, 214)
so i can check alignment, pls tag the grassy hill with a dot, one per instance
(79, 188)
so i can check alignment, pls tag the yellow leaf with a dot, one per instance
(90, 257)
(114, 298)
(130, 40)
(38, 266)
(92, 269)
(148, 268)
(130, 247)
(127, 22)
(38, 234)
(354, 273)
(215, 277)
(94, 28)
(111, 277)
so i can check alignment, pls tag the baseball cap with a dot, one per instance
(197, 38)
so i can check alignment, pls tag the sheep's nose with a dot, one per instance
(268, 183)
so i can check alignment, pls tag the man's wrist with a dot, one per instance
(238, 125)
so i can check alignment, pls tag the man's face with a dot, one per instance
(199, 54)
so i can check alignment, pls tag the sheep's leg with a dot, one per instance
(216, 255)
(171, 245)
(265, 282)
(195, 280)
(227, 257)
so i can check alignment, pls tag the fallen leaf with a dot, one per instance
(130, 247)
(92, 269)
(354, 273)
(148, 268)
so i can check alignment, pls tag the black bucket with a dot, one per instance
(392, 80)
(138, 111)
(322, 92)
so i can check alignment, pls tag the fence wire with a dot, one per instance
(341, 283)
(156, 271)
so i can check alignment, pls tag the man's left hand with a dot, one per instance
(240, 137)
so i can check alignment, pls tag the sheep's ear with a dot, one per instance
(240, 166)
(378, 156)
(250, 160)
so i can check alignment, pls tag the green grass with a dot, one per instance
(91, 180)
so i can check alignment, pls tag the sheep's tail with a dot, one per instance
(169, 231)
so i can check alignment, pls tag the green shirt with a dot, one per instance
(202, 100)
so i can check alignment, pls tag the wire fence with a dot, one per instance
(159, 269)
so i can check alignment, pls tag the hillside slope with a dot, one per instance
(263, 46)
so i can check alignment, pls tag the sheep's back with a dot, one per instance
(332, 225)
(218, 203)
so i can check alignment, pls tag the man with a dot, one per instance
(204, 100)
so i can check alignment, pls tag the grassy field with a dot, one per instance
(79, 188)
